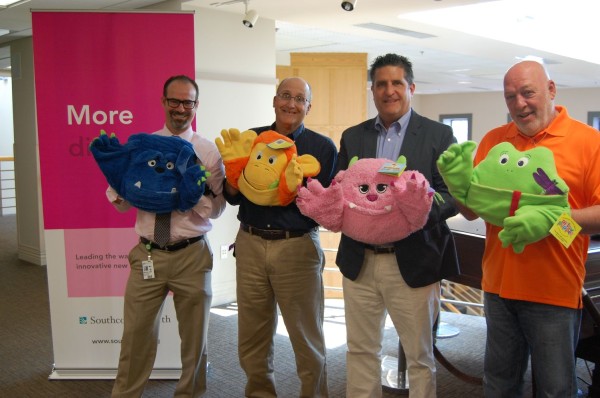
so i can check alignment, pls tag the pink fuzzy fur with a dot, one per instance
(369, 206)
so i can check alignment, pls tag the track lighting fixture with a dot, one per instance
(348, 5)
(250, 17)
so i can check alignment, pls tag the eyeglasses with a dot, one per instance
(187, 104)
(299, 100)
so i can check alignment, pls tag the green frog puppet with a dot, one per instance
(519, 191)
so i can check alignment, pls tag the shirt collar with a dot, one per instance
(294, 134)
(186, 135)
(402, 121)
(558, 126)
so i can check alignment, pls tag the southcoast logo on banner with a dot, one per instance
(111, 319)
(97, 71)
(94, 320)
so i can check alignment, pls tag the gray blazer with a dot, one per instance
(429, 254)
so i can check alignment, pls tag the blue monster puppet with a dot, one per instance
(154, 173)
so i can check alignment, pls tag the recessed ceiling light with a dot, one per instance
(531, 58)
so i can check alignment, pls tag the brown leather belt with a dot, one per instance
(380, 249)
(272, 234)
(182, 244)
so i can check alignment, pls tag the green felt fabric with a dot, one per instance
(489, 189)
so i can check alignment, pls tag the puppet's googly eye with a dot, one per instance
(259, 155)
(503, 158)
(170, 165)
(522, 162)
(381, 188)
(272, 159)
(152, 163)
(364, 188)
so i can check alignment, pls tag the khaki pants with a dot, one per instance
(380, 288)
(186, 273)
(288, 273)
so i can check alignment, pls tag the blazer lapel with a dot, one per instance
(412, 129)
(369, 141)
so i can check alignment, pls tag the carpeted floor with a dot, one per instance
(26, 348)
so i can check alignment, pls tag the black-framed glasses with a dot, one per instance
(300, 100)
(187, 104)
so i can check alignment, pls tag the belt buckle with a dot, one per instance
(173, 247)
(380, 250)
(271, 234)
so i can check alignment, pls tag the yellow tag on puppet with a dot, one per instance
(280, 144)
(392, 168)
(565, 229)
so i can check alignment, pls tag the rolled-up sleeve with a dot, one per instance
(212, 203)
(112, 196)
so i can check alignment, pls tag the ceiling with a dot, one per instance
(444, 60)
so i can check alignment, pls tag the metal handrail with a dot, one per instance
(468, 303)
(3, 188)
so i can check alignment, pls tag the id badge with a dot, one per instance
(148, 269)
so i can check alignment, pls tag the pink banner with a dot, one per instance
(97, 270)
(99, 71)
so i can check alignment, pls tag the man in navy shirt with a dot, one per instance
(280, 262)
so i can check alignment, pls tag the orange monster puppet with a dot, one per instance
(266, 167)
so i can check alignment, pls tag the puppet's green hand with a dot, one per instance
(456, 167)
(529, 224)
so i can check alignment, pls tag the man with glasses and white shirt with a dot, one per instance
(182, 266)
(279, 262)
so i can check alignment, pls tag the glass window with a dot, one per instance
(594, 120)
(461, 125)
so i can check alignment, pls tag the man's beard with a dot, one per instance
(179, 123)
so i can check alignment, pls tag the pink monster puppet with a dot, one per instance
(374, 201)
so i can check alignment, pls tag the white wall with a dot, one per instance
(30, 228)
(6, 118)
(235, 71)
(488, 109)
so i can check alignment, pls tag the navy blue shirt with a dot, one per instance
(289, 217)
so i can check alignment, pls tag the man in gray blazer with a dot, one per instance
(401, 278)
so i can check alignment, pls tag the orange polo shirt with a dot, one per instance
(546, 272)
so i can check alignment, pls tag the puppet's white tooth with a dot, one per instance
(138, 184)
(388, 207)
(351, 205)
